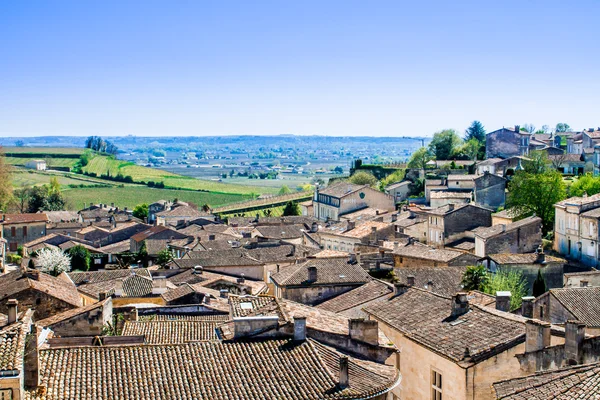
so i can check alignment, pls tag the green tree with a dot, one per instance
(539, 285)
(142, 254)
(284, 190)
(37, 197)
(469, 149)
(21, 197)
(291, 208)
(164, 257)
(363, 178)
(475, 131)
(475, 278)
(444, 144)
(509, 281)
(140, 211)
(80, 258)
(54, 201)
(538, 162)
(6, 186)
(536, 194)
(420, 158)
(396, 176)
(585, 184)
(562, 127)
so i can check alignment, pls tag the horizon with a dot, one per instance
(343, 69)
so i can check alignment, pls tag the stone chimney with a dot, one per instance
(410, 280)
(394, 217)
(31, 361)
(503, 301)
(312, 274)
(574, 335)
(159, 285)
(33, 274)
(241, 279)
(198, 270)
(13, 305)
(540, 256)
(396, 246)
(299, 328)
(352, 259)
(373, 237)
(102, 296)
(527, 306)
(344, 379)
(119, 287)
(450, 206)
(364, 330)
(224, 293)
(537, 336)
(314, 227)
(358, 257)
(400, 288)
(460, 304)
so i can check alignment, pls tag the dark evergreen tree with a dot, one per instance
(475, 131)
(539, 285)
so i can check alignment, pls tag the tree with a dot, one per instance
(21, 197)
(284, 190)
(539, 285)
(140, 211)
(475, 278)
(557, 160)
(545, 129)
(363, 178)
(420, 158)
(562, 127)
(53, 261)
(529, 128)
(475, 131)
(5, 182)
(537, 163)
(164, 257)
(291, 208)
(80, 258)
(37, 197)
(396, 176)
(508, 281)
(585, 184)
(469, 149)
(338, 170)
(54, 202)
(444, 144)
(536, 194)
(205, 207)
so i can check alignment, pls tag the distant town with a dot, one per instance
(460, 266)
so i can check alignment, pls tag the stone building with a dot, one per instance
(450, 223)
(179, 214)
(88, 320)
(575, 303)
(582, 279)
(414, 254)
(523, 236)
(342, 198)
(507, 142)
(19, 229)
(318, 280)
(347, 237)
(451, 349)
(487, 190)
(399, 190)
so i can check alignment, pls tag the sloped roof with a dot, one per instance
(63, 316)
(182, 211)
(445, 281)
(172, 332)
(341, 189)
(582, 302)
(495, 230)
(281, 231)
(355, 297)
(12, 343)
(330, 271)
(527, 258)
(18, 281)
(417, 250)
(23, 218)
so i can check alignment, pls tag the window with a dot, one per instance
(24, 231)
(541, 312)
(13, 231)
(583, 283)
(436, 385)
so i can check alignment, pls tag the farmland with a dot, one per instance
(54, 156)
(22, 177)
(131, 195)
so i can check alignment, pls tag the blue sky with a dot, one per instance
(382, 68)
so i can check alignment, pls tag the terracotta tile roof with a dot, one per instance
(364, 229)
(62, 216)
(341, 189)
(244, 306)
(281, 232)
(23, 218)
(208, 279)
(417, 250)
(330, 254)
(445, 281)
(79, 278)
(212, 260)
(481, 299)
(330, 271)
(425, 318)
(12, 343)
(273, 369)
(155, 230)
(137, 286)
(182, 211)
(527, 258)
(48, 322)
(172, 332)
(450, 208)
(578, 382)
(54, 239)
(136, 282)
(356, 297)
(183, 317)
(118, 247)
(582, 302)
(579, 201)
(18, 281)
(495, 230)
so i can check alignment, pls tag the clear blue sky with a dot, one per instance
(382, 68)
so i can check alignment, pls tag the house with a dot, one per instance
(443, 197)
(13, 347)
(399, 190)
(158, 236)
(306, 208)
(198, 276)
(507, 142)
(450, 222)
(18, 229)
(342, 198)
(529, 264)
(582, 279)
(452, 349)
(500, 166)
(107, 216)
(523, 236)
(487, 190)
(179, 214)
(228, 262)
(289, 233)
(88, 320)
(560, 305)
(415, 254)
(45, 294)
(156, 207)
(346, 237)
(39, 165)
(319, 279)
(503, 217)
(576, 228)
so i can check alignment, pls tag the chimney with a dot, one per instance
(396, 246)
(299, 328)
(344, 380)
(119, 287)
(33, 274)
(241, 279)
(364, 330)
(12, 310)
(517, 128)
(400, 288)
(537, 335)
(358, 257)
(350, 225)
(352, 258)
(450, 206)
(460, 304)
(206, 299)
(503, 301)
(394, 217)
(224, 293)
(527, 306)
(102, 296)
(197, 270)
(373, 233)
(159, 285)
(410, 280)
(540, 256)
(574, 335)
(31, 361)
(312, 274)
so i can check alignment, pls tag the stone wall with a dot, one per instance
(466, 219)
(525, 239)
(34, 231)
(552, 273)
(502, 143)
(89, 323)
(490, 191)
(44, 305)
(313, 295)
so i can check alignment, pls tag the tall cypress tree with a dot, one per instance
(539, 285)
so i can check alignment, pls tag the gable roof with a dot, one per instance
(63, 316)
(19, 280)
(582, 302)
(526, 258)
(330, 271)
(182, 211)
(281, 232)
(355, 297)
(341, 189)
(12, 344)
(496, 230)
(8, 219)
(172, 331)
(445, 281)
(418, 250)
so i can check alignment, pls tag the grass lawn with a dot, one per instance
(131, 195)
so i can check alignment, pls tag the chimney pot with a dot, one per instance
(198, 270)
(574, 335)
(344, 380)
(503, 301)
(537, 336)
(12, 310)
(460, 304)
(527, 306)
(299, 328)
(358, 257)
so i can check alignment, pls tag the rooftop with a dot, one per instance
(495, 230)
(527, 258)
(341, 189)
(23, 218)
(355, 297)
(582, 302)
(12, 344)
(417, 250)
(444, 194)
(172, 331)
(19, 280)
(330, 271)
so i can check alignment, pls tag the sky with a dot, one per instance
(344, 68)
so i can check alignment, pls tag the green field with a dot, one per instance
(101, 165)
(50, 161)
(54, 156)
(43, 150)
(25, 178)
(131, 195)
